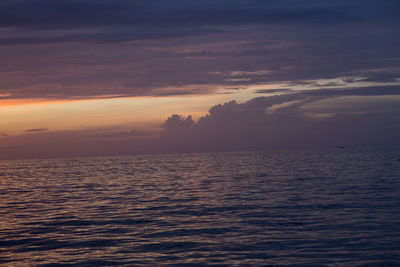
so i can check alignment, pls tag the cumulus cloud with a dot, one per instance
(177, 124)
(287, 121)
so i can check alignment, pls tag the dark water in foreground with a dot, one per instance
(338, 207)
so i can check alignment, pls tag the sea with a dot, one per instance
(333, 207)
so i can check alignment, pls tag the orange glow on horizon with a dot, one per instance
(138, 112)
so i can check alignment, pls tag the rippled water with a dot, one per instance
(338, 207)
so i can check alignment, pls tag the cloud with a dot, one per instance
(327, 118)
(178, 126)
(289, 121)
(88, 13)
(71, 49)
(271, 91)
(109, 21)
(36, 130)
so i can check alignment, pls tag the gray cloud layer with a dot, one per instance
(67, 14)
(284, 122)
(80, 49)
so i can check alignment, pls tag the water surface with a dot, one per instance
(335, 207)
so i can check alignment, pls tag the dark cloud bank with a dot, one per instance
(289, 121)
(69, 14)
(283, 122)
(87, 48)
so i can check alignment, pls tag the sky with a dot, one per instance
(116, 77)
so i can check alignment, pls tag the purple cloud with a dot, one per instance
(281, 122)
(36, 130)
(159, 48)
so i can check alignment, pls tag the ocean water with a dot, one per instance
(311, 208)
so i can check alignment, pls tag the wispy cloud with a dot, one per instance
(272, 91)
(36, 130)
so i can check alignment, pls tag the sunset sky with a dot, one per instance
(105, 77)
